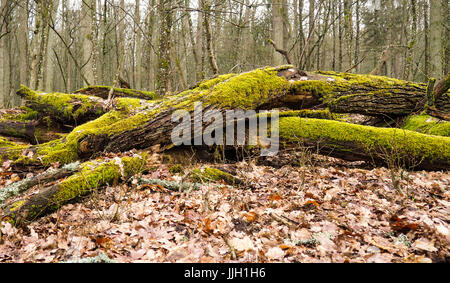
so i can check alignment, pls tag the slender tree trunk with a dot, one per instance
(199, 45)
(163, 75)
(358, 28)
(340, 36)
(427, 40)
(348, 27)
(301, 30)
(436, 49)
(277, 30)
(209, 44)
(445, 36)
(23, 43)
(138, 68)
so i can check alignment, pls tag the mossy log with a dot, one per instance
(25, 130)
(92, 175)
(43, 178)
(356, 142)
(103, 92)
(33, 132)
(65, 108)
(140, 124)
(207, 174)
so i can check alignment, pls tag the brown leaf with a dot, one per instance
(275, 197)
(401, 225)
(250, 216)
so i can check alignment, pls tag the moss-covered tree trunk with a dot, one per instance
(91, 176)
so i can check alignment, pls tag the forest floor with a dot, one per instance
(320, 213)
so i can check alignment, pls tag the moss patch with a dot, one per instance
(60, 103)
(122, 92)
(249, 89)
(427, 125)
(176, 169)
(208, 174)
(334, 133)
(92, 175)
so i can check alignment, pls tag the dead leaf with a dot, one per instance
(250, 216)
(424, 244)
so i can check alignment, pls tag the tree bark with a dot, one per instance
(124, 129)
(103, 91)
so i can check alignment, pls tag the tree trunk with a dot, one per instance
(436, 53)
(277, 30)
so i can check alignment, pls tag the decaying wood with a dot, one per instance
(70, 109)
(92, 176)
(33, 132)
(441, 87)
(103, 91)
(42, 178)
(343, 93)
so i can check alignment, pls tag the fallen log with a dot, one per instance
(64, 108)
(103, 92)
(42, 178)
(33, 132)
(356, 142)
(92, 175)
(136, 126)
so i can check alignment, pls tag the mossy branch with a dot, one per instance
(93, 175)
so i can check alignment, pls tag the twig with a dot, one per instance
(284, 220)
(281, 51)
(232, 251)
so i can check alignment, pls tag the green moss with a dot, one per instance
(94, 175)
(17, 205)
(212, 175)
(60, 103)
(128, 104)
(335, 134)
(367, 80)
(126, 92)
(317, 88)
(249, 89)
(10, 150)
(66, 150)
(318, 114)
(176, 169)
(27, 114)
(6, 143)
(427, 125)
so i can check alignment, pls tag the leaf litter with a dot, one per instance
(287, 214)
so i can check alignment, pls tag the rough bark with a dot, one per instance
(33, 132)
(65, 108)
(103, 91)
